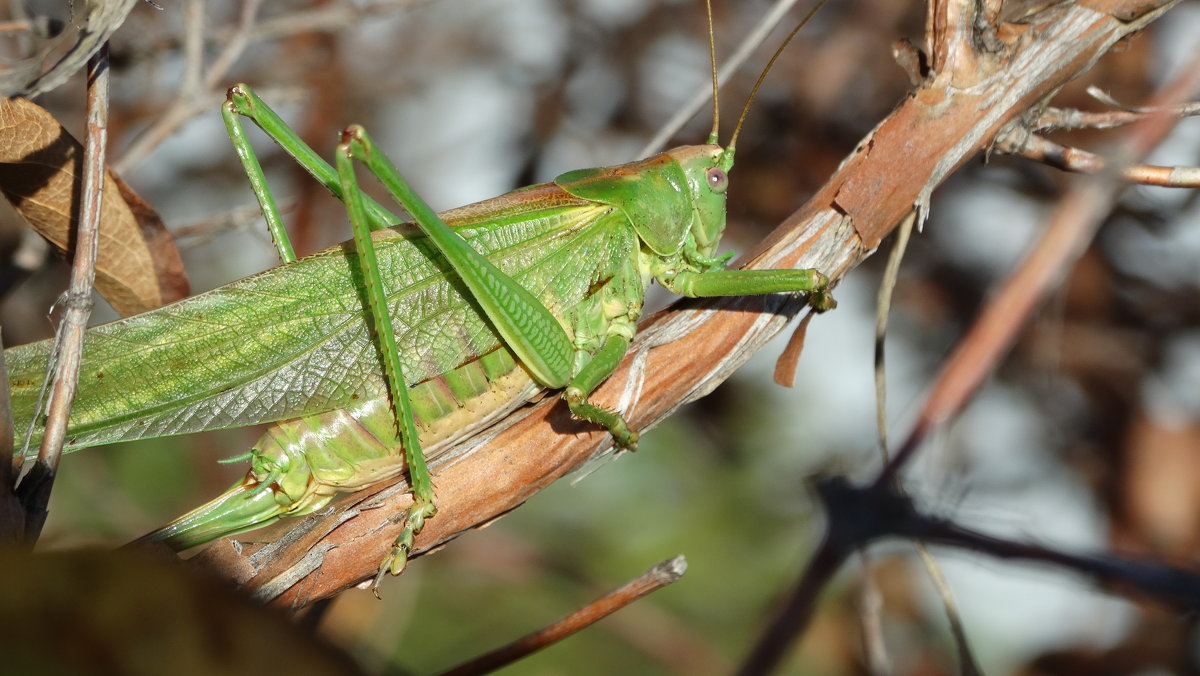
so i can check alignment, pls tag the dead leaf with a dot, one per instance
(138, 266)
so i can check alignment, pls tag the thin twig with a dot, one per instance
(189, 104)
(329, 18)
(967, 662)
(1041, 149)
(704, 96)
(883, 306)
(858, 516)
(661, 575)
(881, 511)
(850, 523)
(1072, 227)
(1061, 118)
(35, 488)
(1067, 119)
(872, 190)
(872, 606)
(19, 26)
(231, 220)
(871, 617)
(193, 49)
(234, 48)
(1171, 586)
(797, 609)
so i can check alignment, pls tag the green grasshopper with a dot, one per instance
(409, 336)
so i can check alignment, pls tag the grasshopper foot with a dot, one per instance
(397, 559)
(609, 420)
(820, 299)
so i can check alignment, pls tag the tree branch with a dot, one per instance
(987, 76)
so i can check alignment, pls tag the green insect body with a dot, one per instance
(292, 345)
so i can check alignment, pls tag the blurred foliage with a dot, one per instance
(128, 612)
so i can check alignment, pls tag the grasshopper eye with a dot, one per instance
(717, 179)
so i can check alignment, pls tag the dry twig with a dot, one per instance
(969, 98)
(861, 515)
(856, 519)
(1041, 149)
(34, 490)
(196, 93)
(1071, 229)
(661, 575)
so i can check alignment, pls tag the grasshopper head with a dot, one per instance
(706, 168)
(675, 201)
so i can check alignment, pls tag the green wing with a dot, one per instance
(292, 341)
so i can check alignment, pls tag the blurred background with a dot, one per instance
(1086, 438)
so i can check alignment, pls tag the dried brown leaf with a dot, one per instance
(138, 266)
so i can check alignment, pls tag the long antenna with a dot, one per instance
(712, 61)
(739, 56)
(774, 57)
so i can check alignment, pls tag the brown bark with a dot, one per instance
(987, 74)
